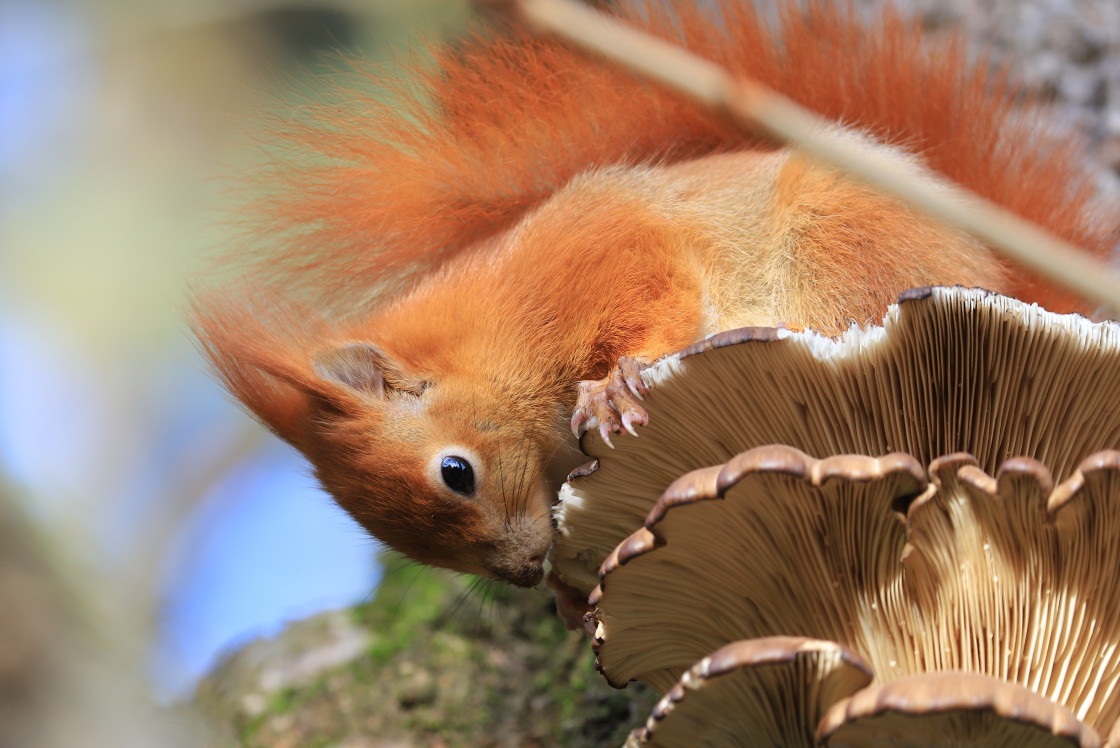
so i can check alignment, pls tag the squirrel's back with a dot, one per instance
(464, 148)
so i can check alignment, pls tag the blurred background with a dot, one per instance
(123, 128)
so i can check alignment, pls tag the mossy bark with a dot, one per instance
(433, 660)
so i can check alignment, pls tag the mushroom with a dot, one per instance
(1007, 583)
(785, 543)
(950, 370)
(774, 690)
(952, 709)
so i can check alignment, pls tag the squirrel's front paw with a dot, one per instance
(613, 403)
(571, 604)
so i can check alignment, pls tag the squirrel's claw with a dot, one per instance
(636, 386)
(605, 432)
(612, 404)
(580, 421)
(632, 417)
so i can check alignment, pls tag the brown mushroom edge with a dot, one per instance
(734, 693)
(950, 370)
(1008, 576)
(802, 693)
(952, 709)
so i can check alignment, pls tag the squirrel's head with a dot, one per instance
(432, 469)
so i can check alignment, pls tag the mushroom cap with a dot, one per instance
(775, 690)
(766, 560)
(952, 709)
(1008, 576)
(950, 370)
(791, 692)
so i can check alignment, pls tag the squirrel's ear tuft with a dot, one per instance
(366, 370)
(358, 366)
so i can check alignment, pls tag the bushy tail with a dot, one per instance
(467, 146)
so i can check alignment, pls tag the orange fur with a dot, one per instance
(531, 214)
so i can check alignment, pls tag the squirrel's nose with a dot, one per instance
(528, 574)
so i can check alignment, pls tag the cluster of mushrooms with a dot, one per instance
(909, 536)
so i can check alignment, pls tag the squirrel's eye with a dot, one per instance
(458, 475)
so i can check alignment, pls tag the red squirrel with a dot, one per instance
(469, 260)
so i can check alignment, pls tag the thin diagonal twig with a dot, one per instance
(755, 106)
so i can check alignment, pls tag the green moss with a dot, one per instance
(449, 662)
